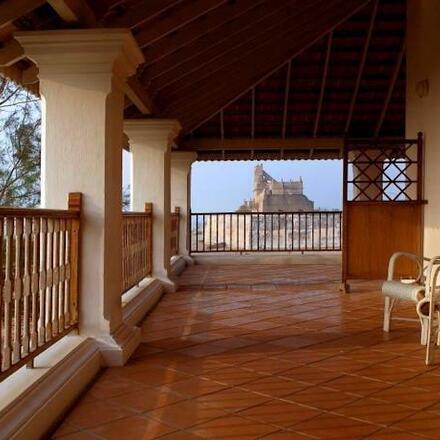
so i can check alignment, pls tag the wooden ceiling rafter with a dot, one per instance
(257, 73)
(361, 65)
(139, 13)
(286, 98)
(232, 48)
(194, 50)
(74, 11)
(11, 10)
(391, 87)
(170, 50)
(175, 18)
(323, 83)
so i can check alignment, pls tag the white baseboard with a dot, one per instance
(43, 403)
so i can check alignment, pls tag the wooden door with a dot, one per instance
(383, 205)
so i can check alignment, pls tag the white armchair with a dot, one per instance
(422, 291)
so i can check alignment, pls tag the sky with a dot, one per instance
(223, 186)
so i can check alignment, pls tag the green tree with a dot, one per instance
(20, 146)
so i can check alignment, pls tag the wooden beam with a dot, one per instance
(226, 47)
(259, 65)
(261, 143)
(74, 11)
(140, 12)
(323, 83)
(286, 99)
(137, 94)
(29, 76)
(222, 21)
(26, 78)
(10, 10)
(11, 52)
(361, 66)
(391, 87)
(178, 17)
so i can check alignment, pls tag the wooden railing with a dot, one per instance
(266, 231)
(137, 246)
(39, 260)
(175, 220)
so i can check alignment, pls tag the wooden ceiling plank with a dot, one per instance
(74, 11)
(261, 143)
(390, 91)
(10, 10)
(232, 50)
(222, 125)
(361, 66)
(286, 99)
(140, 12)
(169, 48)
(253, 113)
(206, 106)
(176, 18)
(11, 52)
(323, 83)
(258, 68)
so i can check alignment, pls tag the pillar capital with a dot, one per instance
(82, 55)
(154, 133)
(182, 159)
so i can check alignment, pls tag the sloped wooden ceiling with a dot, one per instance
(246, 68)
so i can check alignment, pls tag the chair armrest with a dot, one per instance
(432, 273)
(396, 255)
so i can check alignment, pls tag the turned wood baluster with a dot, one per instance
(34, 282)
(27, 228)
(49, 279)
(7, 295)
(67, 314)
(43, 283)
(17, 292)
(55, 276)
(62, 275)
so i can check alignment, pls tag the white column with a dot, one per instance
(150, 145)
(181, 194)
(82, 74)
(423, 104)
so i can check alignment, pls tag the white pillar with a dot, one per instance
(82, 74)
(181, 196)
(150, 145)
(423, 105)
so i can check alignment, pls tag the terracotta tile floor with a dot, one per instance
(271, 352)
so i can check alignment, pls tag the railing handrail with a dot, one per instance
(136, 214)
(39, 212)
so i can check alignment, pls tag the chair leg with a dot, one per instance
(432, 334)
(389, 303)
(424, 328)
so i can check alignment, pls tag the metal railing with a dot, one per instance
(39, 262)
(137, 246)
(175, 224)
(266, 231)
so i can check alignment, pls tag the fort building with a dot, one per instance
(270, 195)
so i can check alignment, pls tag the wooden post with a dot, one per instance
(420, 167)
(149, 209)
(74, 205)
